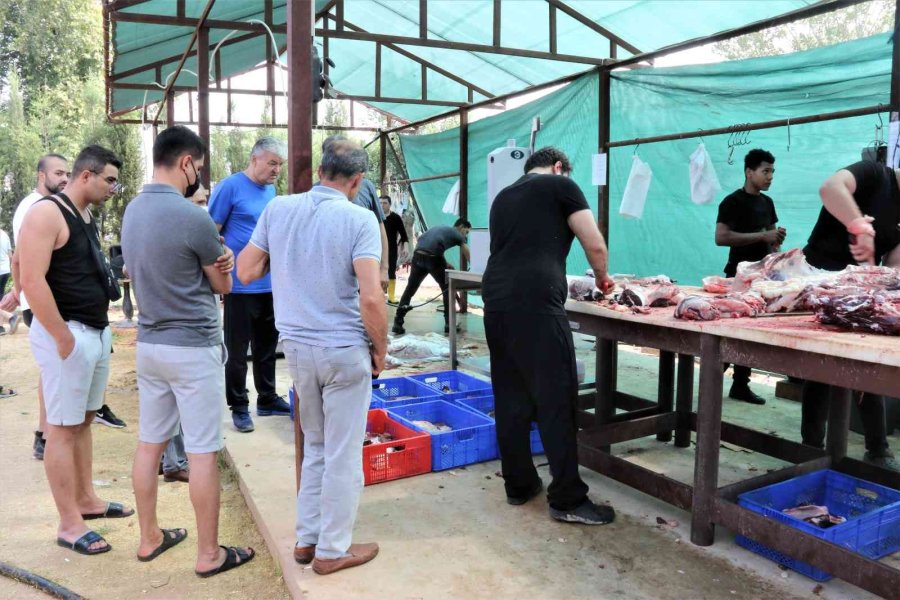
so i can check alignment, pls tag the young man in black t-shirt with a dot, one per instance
(857, 225)
(746, 223)
(532, 225)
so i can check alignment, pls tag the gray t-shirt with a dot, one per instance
(439, 239)
(166, 242)
(312, 240)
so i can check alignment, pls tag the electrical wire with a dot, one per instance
(45, 585)
(412, 306)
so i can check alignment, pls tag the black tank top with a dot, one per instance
(73, 276)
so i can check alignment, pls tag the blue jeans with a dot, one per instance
(174, 459)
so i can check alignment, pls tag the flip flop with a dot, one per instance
(83, 544)
(168, 542)
(232, 554)
(6, 392)
(114, 510)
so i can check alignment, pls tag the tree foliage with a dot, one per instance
(52, 100)
(854, 22)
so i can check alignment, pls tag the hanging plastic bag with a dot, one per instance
(451, 204)
(636, 189)
(704, 182)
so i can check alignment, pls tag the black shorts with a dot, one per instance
(27, 316)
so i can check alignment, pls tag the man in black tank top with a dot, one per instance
(65, 279)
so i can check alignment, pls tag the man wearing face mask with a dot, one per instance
(177, 272)
(235, 207)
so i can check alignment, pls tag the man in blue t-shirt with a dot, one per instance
(235, 206)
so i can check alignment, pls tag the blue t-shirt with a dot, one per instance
(236, 204)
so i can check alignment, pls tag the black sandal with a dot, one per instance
(171, 537)
(83, 544)
(232, 554)
(114, 510)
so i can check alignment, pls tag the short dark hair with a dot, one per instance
(547, 157)
(343, 158)
(42, 162)
(757, 157)
(175, 141)
(463, 223)
(332, 139)
(94, 159)
(385, 197)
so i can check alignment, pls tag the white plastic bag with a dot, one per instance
(635, 194)
(451, 204)
(704, 182)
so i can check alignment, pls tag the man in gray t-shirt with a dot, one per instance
(428, 259)
(177, 262)
(324, 255)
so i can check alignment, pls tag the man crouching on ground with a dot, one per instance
(177, 270)
(324, 254)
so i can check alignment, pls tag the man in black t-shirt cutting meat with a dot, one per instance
(746, 223)
(857, 225)
(532, 225)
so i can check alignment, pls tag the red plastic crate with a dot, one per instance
(410, 451)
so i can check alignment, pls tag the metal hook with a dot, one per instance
(789, 135)
(635, 149)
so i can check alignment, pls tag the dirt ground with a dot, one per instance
(28, 518)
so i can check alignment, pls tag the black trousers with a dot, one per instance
(3, 279)
(741, 374)
(421, 267)
(392, 260)
(535, 379)
(815, 416)
(250, 321)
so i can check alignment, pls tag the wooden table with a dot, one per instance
(795, 346)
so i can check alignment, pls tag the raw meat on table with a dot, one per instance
(715, 284)
(778, 266)
(876, 312)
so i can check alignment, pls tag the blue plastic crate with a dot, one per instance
(485, 405)
(453, 385)
(373, 403)
(473, 437)
(872, 512)
(400, 391)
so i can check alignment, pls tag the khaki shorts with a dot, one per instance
(77, 384)
(182, 384)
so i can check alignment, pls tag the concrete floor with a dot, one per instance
(451, 534)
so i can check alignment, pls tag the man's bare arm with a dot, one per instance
(585, 229)
(372, 308)
(252, 264)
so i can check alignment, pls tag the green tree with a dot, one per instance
(19, 151)
(854, 22)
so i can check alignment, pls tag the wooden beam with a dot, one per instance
(203, 97)
(184, 56)
(895, 60)
(436, 68)
(300, 108)
(463, 46)
(496, 22)
(552, 10)
(593, 26)
(148, 19)
(423, 19)
(377, 69)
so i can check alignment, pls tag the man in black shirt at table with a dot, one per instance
(746, 223)
(857, 225)
(532, 225)
(396, 236)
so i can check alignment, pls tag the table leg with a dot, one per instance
(665, 391)
(451, 308)
(709, 424)
(684, 402)
(605, 403)
(838, 422)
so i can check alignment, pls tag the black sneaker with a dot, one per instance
(520, 500)
(586, 513)
(882, 458)
(105, 416)
(447, 329)
(37, 449)
(242, 421)
(743, 392)
(277, 407)
(397, 329)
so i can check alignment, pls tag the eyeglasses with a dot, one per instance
(114, 186)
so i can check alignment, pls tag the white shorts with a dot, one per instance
(74, 386)
(186, 384)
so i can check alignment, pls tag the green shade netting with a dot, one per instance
(675, 236)
(646, 24)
